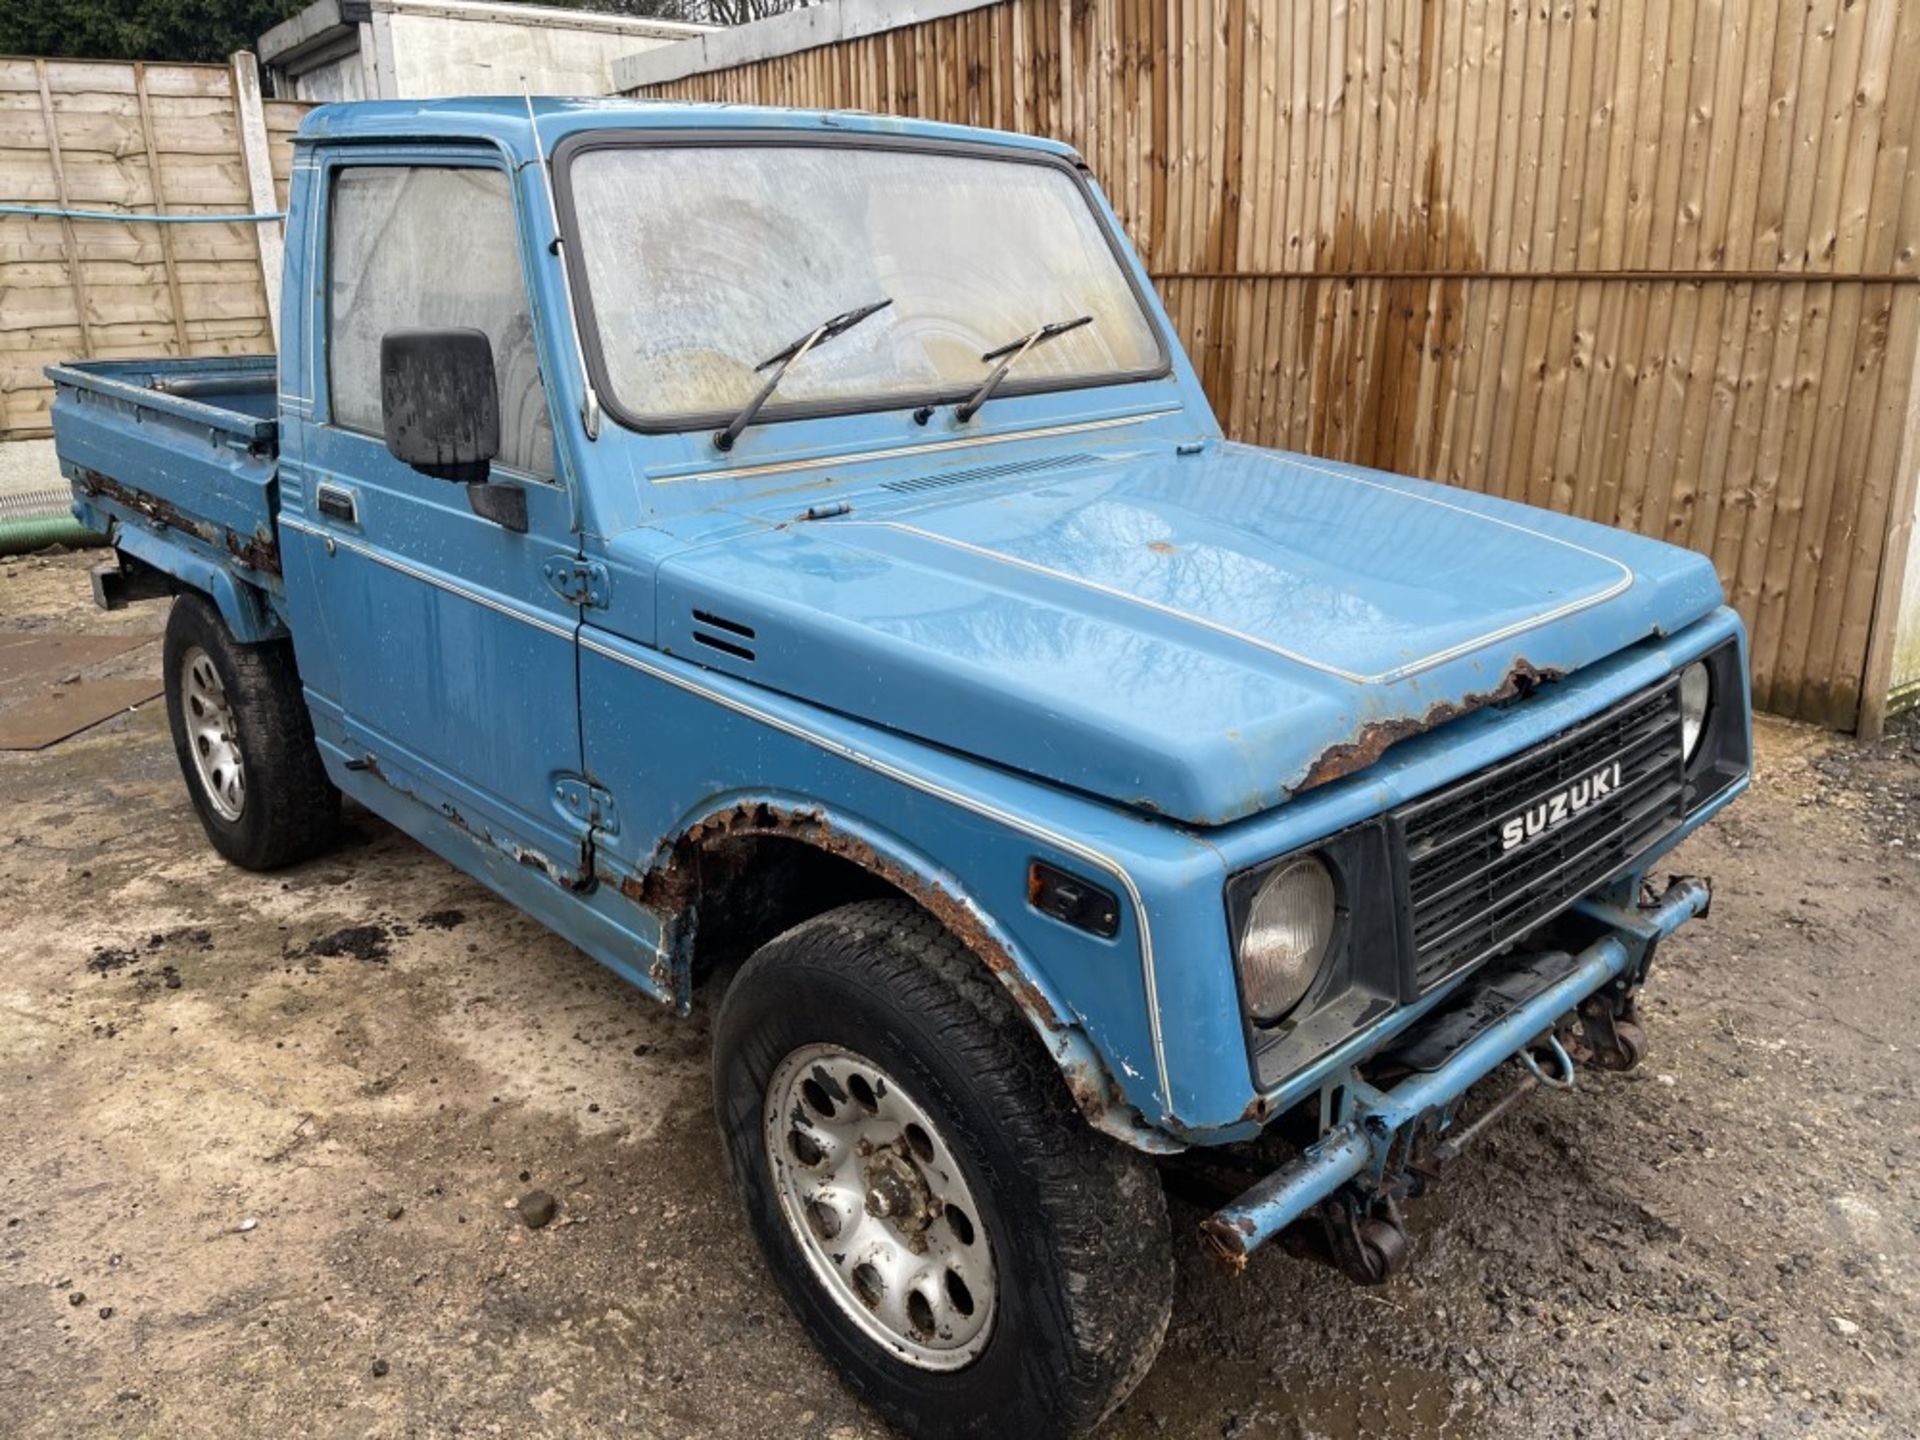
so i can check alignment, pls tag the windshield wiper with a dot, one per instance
(786, 359)
(1013, 351)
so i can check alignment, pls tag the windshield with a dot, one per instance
(702, 261)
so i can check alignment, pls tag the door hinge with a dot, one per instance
(586, 804)
(577, 581)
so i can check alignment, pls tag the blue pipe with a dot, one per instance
(1363, 1142)
(50, 212)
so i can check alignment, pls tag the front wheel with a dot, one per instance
(968, 1252)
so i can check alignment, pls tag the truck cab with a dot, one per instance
(790, 555)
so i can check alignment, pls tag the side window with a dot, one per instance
(430, 246)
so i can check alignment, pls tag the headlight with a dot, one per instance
(1286, 936)
(1696, 693)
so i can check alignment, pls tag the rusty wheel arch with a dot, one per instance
(680, 875)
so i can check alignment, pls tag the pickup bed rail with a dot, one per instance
(177, 460)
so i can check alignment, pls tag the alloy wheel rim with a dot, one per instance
(211, 735)
(878, 1204)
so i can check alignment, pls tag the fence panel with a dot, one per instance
(96, 135)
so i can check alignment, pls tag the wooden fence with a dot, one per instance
(1648, 261)
(167, 139)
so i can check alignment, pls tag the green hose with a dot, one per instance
(36, 532)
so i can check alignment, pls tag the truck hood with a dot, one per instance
(1201, 635)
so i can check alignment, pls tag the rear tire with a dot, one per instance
(1065, 1266)
(245, 742)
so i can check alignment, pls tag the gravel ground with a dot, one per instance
(262, 1134)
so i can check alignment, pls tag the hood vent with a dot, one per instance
(941, 480)
(716, 632)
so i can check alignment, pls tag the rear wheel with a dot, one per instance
(245, 742)
(971, 1255)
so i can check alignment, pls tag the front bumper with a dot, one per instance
(1378, 1125)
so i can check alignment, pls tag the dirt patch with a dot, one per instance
(1878, 785)
(370, 942)
(106, 959)
(195, 937)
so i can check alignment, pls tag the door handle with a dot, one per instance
(336, 502)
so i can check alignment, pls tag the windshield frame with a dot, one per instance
(776, 409)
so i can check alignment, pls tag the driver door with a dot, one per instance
(456, 680)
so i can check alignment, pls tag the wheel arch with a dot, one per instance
(744, 831)
(243, 606)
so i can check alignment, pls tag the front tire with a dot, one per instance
(972, 1256)
(245, 742)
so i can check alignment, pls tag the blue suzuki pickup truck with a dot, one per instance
(789, 555)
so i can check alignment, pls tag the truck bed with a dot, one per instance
(184, 449)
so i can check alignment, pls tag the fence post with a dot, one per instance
(69, 241)
(258, 159)
(1877, 681)
(183, 345)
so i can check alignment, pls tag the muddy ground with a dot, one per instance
(258, 1137)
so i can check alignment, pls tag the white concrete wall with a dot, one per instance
(423, 49)
(435, 53)
(348, 78)
(807, 28)
(30, 481)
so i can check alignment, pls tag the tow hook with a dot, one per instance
(1614, 1039)
(1563, 1077)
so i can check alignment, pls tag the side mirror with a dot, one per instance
(439, 405)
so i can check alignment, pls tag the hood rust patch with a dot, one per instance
(1374, 739)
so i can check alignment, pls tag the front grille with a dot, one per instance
(1467, 896)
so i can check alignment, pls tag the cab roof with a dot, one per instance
(504, 120)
